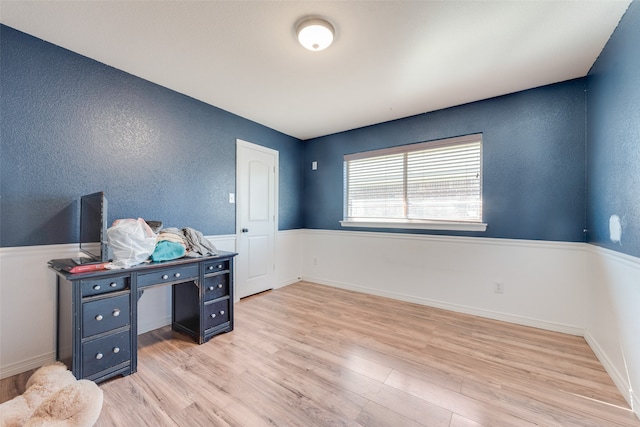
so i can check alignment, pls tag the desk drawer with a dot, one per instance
(213, 266)
(182, 273)
(104, 314)
(106, 352)
(101, 286)
(216, 286)
(216, 313)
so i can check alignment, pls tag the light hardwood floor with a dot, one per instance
(311, 355)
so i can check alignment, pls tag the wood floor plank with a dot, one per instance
(126, 403)
(14, 385)
(460, 421)
(481, 412)
(374, 415)
(199, 415)
(344, 378)
(312, 355)
(534, 403)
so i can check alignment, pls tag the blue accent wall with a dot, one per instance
(533, 161)
(614, 138)
(70, 126)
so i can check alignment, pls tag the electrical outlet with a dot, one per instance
(498, 287)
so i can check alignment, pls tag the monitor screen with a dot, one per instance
(93, 226)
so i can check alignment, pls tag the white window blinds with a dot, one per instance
(433, 181)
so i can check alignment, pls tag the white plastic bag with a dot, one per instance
(132, 242)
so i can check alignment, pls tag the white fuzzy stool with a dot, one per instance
(53, 397)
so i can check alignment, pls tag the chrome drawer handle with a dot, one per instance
(220, 286)
(211, 267)
(221, 312)
(220, 266)
(113, 284)
(213, 315)
(116, 312)
(96, 288)
(116, 349)
(99, 317)
(165, 277)
(211, 288)
(99, 356)
(176, 275)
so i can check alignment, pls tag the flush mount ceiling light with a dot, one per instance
(315, 33)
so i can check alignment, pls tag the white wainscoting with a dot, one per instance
(572, 288)
(289, 256)
(28, 306)
(613, 320)
(543, 282)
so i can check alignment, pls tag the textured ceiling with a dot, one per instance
(390, 59)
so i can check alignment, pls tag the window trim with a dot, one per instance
(416, 224)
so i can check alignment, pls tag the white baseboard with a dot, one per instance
(621, 381)
(26, 365)
(291, 281)
(519, 320)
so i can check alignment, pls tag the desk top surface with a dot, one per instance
(58, 265)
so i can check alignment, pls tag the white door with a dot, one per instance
(256, 217)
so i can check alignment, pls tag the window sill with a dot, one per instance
(417, 225)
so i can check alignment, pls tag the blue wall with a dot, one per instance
(533, 161)
(614, 137)
(71, 125)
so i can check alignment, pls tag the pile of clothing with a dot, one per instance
(173, 243)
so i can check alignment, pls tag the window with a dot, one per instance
(431, 185)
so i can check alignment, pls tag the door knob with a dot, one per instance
(245, 230)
